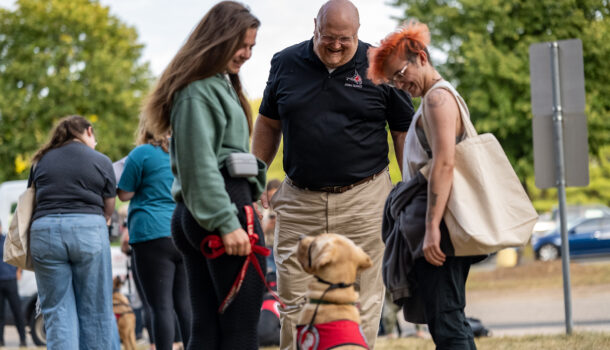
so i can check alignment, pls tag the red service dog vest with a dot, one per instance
(324, 336)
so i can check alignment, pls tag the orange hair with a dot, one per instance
(407, 40)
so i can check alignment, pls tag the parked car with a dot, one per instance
(548, 222)
(588, 236)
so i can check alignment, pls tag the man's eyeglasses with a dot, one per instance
(398, 75)
(330, 39)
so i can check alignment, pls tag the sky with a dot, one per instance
(163, 26)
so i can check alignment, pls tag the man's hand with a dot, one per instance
(432, 247)
(237, 242)
(257, 210)
(125, 248)
(265, 200)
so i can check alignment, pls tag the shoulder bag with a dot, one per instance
(17, 242)
(488, 208)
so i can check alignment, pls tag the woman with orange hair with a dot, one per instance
(435, 275)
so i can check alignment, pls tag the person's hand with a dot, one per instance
(236, 242)
(265, 200)
(125, 248)
(432, 247)
(257, 210)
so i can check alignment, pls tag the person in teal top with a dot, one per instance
(146, 182)
(199, 98)
(150, 210)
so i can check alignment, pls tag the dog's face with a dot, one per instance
(332, 257)
(117, 283)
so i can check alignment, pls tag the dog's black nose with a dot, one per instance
(301, 237)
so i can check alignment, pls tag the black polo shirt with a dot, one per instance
(334, 124)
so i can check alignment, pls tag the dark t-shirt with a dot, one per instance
(334, 124)
(72, 179)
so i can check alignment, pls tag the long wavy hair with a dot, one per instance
(65, 131)
(407, 41)
(144, 135)
(206, 52)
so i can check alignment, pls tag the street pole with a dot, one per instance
(561, 183)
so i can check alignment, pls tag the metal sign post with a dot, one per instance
(561, 154)
(561, 183)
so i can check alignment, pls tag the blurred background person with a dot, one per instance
(9, 291)
(146, 183)
(269, 224)
(75, 196)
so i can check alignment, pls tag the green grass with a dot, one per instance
(577, 341)
(538, 275)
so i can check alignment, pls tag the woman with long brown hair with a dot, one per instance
(75, 190)
(199, 97)
(146, 183)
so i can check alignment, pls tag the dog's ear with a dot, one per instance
(323, 256)
(365, 263)
(365, 260)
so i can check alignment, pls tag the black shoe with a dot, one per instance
(23, 344)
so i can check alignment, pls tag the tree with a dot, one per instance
(486, 43)
(59, 58)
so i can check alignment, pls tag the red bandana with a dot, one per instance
(324, 336)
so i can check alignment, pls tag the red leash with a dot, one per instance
(212, 247)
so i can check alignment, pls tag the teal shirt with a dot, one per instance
(208, 123)
(147, 173)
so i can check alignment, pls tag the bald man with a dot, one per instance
(333, 121)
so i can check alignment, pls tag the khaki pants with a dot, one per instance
(357, 214)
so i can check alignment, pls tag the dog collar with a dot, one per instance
(334, 285)
(325, 302)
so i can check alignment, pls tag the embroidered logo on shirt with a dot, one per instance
(354, 81)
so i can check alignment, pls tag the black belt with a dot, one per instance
(336, 189)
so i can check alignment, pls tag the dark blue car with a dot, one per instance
(586, 237)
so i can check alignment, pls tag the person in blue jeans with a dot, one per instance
(9, 291)
(75, 195)
(146, 182)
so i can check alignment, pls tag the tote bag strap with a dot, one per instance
(469, 129)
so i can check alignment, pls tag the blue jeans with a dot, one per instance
(71, 255)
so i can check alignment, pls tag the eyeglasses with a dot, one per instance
(398, 75)
(330, 39)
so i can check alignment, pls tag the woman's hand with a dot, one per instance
(432, 246)
(236, 242)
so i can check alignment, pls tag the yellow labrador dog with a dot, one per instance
(330, 319)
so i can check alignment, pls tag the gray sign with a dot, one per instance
(576, 150)
(574, 122)
(571, 75)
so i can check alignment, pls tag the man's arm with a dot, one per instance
(398, 137)
(265, 143)
(266, 138)
(124, 195)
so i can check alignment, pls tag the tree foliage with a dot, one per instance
(59, 58)
(486, 43)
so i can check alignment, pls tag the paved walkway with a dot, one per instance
(541, 311)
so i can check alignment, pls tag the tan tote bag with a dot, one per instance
(17, 242)
(488, 208)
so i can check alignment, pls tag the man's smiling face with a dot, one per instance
(336, 40)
